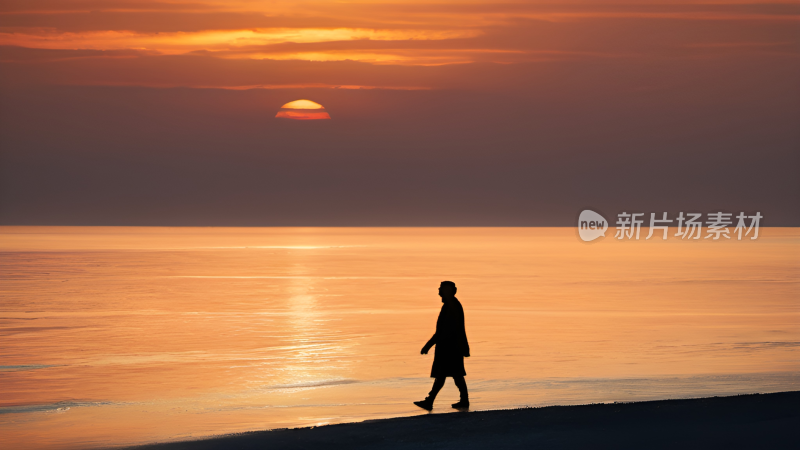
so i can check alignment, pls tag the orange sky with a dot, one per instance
(163, 112)
(388, 32)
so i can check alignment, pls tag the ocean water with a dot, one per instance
(118, 336)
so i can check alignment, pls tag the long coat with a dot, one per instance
(450, 340)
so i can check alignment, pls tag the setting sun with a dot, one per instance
(302, 104)
(303, 110)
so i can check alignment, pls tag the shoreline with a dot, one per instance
(742, 421)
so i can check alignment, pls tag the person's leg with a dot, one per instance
(438, 383)
(461, 383)
(428, 402)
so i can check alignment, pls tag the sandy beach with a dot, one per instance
(768, 421)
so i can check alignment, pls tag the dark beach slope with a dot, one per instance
(765, 421)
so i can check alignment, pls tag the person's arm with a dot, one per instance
(464, 342)
(428, 345)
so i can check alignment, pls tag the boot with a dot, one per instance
(426, 404)
(462, 404)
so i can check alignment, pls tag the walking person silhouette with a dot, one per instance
(452, 347)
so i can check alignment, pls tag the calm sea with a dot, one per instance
(118, 336)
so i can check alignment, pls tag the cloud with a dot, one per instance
(469, 32)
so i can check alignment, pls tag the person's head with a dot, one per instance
(447, 289)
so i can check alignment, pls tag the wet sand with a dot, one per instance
(745, 421)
